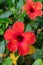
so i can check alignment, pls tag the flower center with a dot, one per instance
(20, 38)
(32, 10)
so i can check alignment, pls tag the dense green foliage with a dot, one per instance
(11, 11)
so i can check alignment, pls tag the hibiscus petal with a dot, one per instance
(31, 15)
(12, 46)
(23, 48)
(30, 37)
(8, 34)
(38, 5)
(39, 13)
(29, 2)
(18, 27)
(25, 8)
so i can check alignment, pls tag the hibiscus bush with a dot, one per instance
(21, 32)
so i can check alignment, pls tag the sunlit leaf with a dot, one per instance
(8, 61)
(21, 16)
(37, 62)
(14, 59)
(13, 1)
(32, 49)
(1, 1)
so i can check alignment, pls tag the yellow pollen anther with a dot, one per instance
(15, 41)
(33, 6)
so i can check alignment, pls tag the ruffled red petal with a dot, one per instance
(23, 48)
(25, 7)
(39, 13)
(31, 15)
(28, 5)
(12, 46)
(8, 35)
(18, 27)
(30, 37)
(29, 2)
(38, 5)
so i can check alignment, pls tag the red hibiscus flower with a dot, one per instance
(18, 39)
(33, 9)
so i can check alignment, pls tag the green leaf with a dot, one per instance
(1, 1)
(10, 3)
(6, 14)
(1, 31)
(39, 0)
(34, 25)
(2, 47)
(21, 16)
(20, 4)
(21, 19)
(1, 11)
(13, 1)
(37, 62)
(42, 50)
(40, 36)
(38, 54)
(5, 20)
(28, 28)
(8, 61)
(13, 10)
(1, 64)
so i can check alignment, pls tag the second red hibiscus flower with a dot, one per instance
(33, 9)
